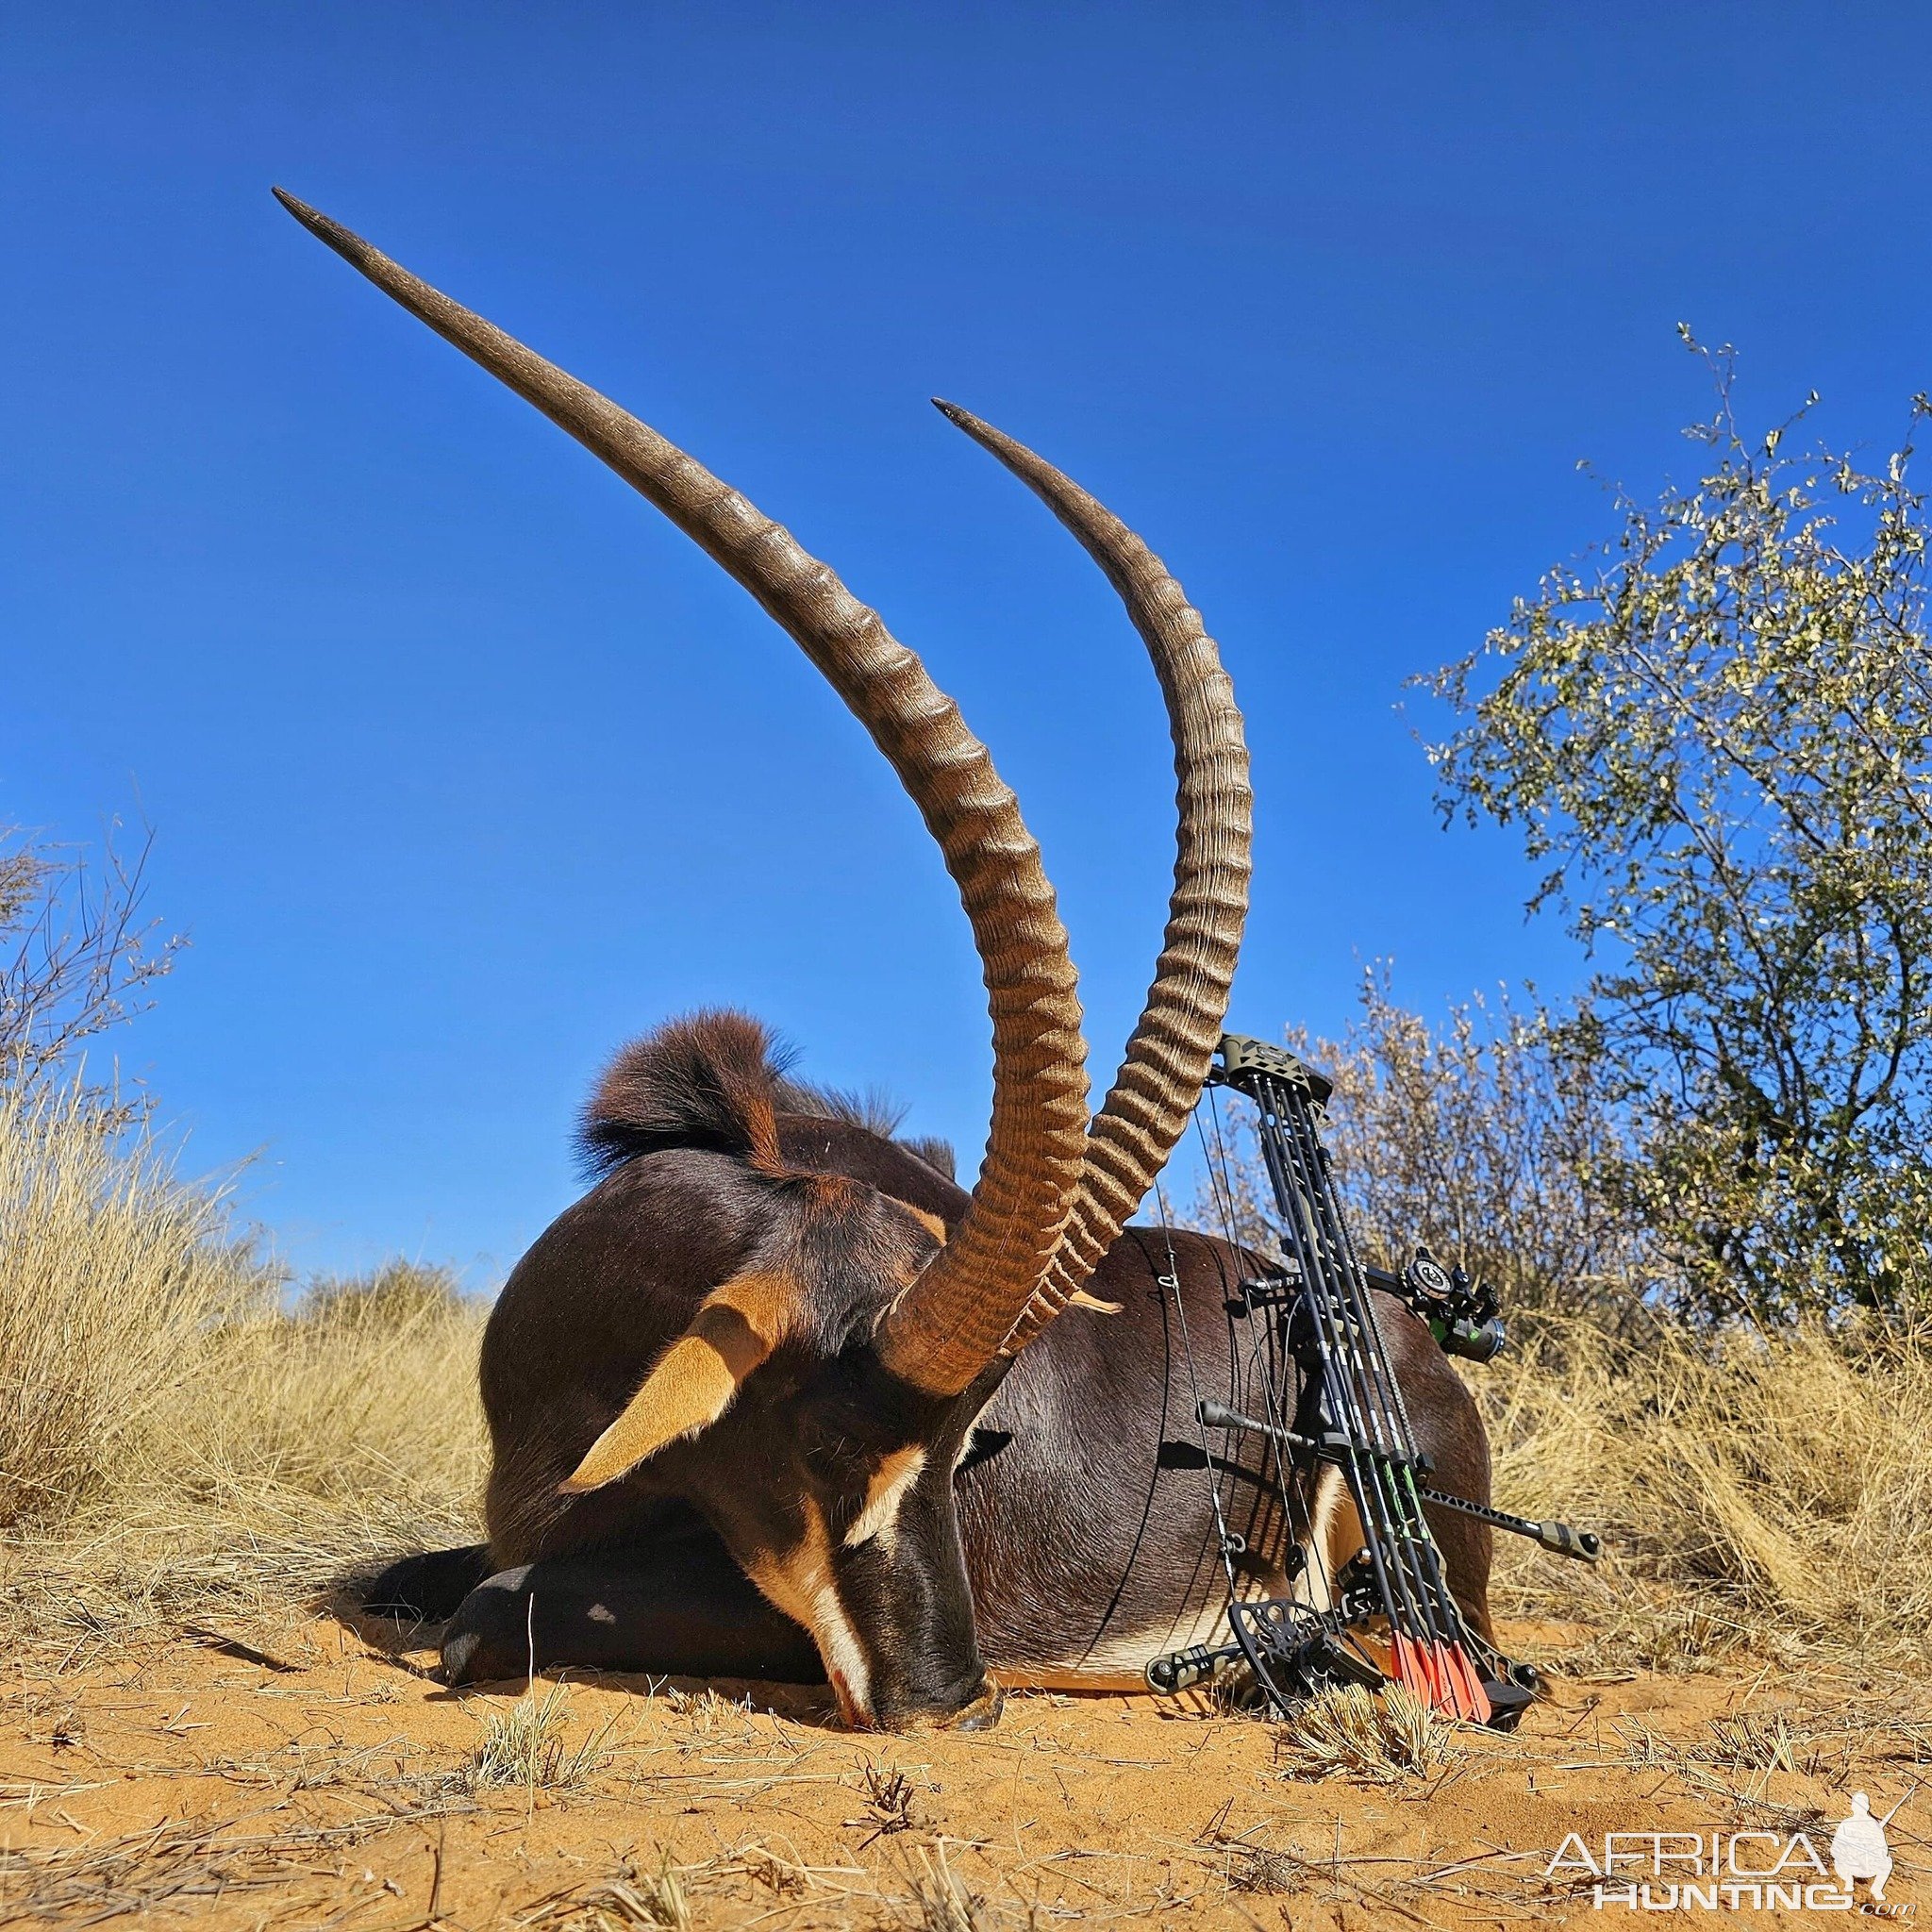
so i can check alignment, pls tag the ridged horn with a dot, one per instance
(1168, 1054)
(961, 1310)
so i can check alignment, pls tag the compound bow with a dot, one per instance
(1319, 1361)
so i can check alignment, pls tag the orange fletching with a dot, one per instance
(1470, 1700)
(1416, 1670)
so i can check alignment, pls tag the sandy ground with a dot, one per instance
(294, 1775)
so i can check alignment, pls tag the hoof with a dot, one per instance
(488, 1638)
(427, 1589)
(458, 1654)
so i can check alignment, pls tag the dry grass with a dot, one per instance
(1753, 1492)
(941, 1901)
(655, 1900)
(112, 1272)
(173, 1868)
(1377, 1739)
(525, 1746)
(171, 1438)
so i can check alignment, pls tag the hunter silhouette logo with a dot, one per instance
(1736, 1870)
(1858, 1849)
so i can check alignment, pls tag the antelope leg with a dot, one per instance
(426, 1588)
(674, 1607)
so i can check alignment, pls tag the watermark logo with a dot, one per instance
(1858, 1849)
(1736, 1870)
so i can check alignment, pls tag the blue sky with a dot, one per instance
(464, 766)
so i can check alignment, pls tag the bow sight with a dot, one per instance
(1331, 1399)
(1460, 1310)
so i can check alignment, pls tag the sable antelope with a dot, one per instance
(777, 1397)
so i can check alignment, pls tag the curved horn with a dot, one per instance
(1168, 1056)
(962, 1309)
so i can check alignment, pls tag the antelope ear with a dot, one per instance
(692, 1382)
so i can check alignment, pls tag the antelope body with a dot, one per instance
(777, 1397)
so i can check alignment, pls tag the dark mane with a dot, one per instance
(715, 1079)
(873, 1109)
(705, 1080)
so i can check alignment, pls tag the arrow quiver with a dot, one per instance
(1331, 1400)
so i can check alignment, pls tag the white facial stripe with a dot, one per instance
(883, 1495)
(967, 1441)
(838, 1643)
(801, 1584)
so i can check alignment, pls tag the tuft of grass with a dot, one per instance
(657, 1900)
(941, 1900)
(394, 1294)
(1374, 1738)
(1752, 1744)
(1750, 1741)
(524, 1746)
(172, 1440)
